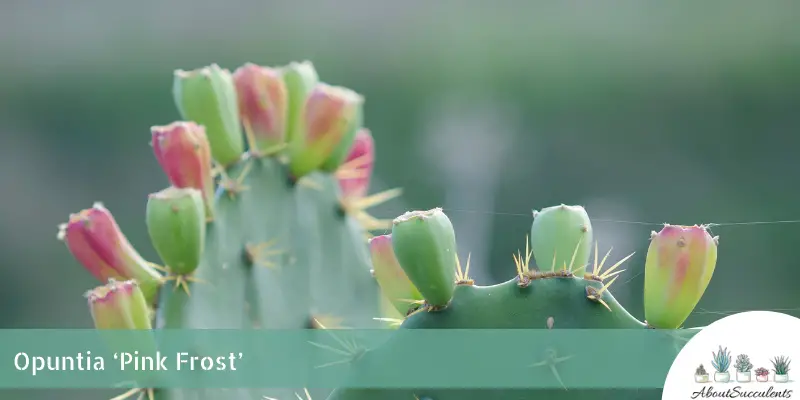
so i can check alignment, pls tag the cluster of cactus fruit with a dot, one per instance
(264, 226)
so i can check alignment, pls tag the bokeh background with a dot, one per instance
(645, 112)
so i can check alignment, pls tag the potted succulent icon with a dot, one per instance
(743, 367)
(762, 374)
(781, 367)
(700, 374)
(721, 361)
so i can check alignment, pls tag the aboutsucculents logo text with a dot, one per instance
(747, 355)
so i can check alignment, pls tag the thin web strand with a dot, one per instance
(620, 221)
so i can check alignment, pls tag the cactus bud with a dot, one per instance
(362, 155)
(176, 224)
(263, 104)
(425, 245)
(679, 265)
(207, 96)
(95, 240)
(561, 236)
(329, 114)
(343, 149)
(119, 305)
(390, 275)
(300, 78)
(183, 152)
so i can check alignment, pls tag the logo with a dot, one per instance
(742, 356)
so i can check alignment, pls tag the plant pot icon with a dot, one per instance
(781, 367)
(743, 376)
(701, 378)
(762, 374)
(721, 362)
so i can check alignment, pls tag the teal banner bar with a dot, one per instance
(477, 359)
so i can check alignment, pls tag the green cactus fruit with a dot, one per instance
(679, 265)
(393, 281)
(119, 305)
(176, 224)
(329, 116)
(342, 150)
(561, 238)
(424, 243)
(299, 78)
(207, 96)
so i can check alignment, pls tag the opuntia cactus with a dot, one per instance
(560, 296)
(282, 243)
(262, 238)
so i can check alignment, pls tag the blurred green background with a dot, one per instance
(680, 112)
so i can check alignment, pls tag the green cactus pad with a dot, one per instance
(425, 245)
(278, 255)
(559, 301)
(561, 236)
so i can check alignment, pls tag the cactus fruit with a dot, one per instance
(207, 96)
(393, 281)
(183, 151)
(680, 263)
(177, 226)
(561, 238)
(96, 241)
(119, 305)
(354, 180)
(263, 106)
(286, 246)
(300, 78)
(331, 116)
(425, 245)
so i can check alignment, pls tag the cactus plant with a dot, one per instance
(743, 368)
(762, 374)
(269, 245)
(700, 374)
(284, 240)
(573, 298)
(743, 363)
(701, 370)
(780, 365)
(721, 361)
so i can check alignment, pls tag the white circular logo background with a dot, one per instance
(763, 336)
